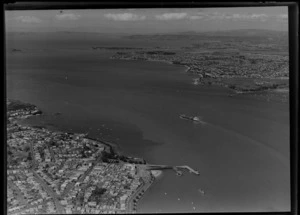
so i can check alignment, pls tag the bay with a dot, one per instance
(241, 151)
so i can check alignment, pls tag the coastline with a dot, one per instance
(152, 60)
(170, 62)
(132, 203)
(228, 81)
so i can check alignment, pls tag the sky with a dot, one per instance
(144, 21)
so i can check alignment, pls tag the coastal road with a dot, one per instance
(130, 203)
(145, 186)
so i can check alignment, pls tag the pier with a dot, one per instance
(175, 168)
(190, 169)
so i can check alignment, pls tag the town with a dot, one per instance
(238, 65)
(217, 64)
(56, 172)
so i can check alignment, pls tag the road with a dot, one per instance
(144, 187)
(81, 179)
(20, 196)
(54, 196)
(34, 163)
(58, 206)
(28, 206)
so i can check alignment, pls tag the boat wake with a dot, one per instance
(244, 138)
(247, 139)
(200, 121)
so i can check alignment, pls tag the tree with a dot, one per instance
(98, 192)
(26, 148)
(29, 156)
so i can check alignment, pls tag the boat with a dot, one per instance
(201, 191)
(192, 118)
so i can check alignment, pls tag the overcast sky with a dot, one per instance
(148, 20)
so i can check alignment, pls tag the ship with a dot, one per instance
(192, 118)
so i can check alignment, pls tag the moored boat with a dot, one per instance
(192, 118)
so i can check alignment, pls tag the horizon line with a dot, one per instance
(140, 33)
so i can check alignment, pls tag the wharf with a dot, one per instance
(175, 168)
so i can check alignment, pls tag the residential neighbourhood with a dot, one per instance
(56, 172)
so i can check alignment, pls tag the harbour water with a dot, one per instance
(241, 151)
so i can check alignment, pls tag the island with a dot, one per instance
(70, 173)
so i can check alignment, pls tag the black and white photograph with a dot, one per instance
(147, 110)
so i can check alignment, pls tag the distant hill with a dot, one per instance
(230, 33)
(248, 32)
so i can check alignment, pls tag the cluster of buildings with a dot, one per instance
(239, 44)
(220, 65)
(24, 191)
(118, 183)
(50, 172)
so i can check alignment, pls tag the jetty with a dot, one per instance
(189, 168)
(175, 168)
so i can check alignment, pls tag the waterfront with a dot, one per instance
(242, 153)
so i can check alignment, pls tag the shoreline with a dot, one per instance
(138, 195)
(187, 68)
(219, 80)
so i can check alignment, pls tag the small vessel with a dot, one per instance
(192, 118)
(201, 191)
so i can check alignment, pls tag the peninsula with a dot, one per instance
(257, 65)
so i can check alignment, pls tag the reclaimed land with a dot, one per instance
(57, 172)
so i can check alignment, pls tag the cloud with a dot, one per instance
(67, 16)
(171, 16)
(282, 18)
(124, 16)
(236, 16)
(195, 17)
(28, 19)
(258, 16)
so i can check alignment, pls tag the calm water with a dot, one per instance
(242, 150)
